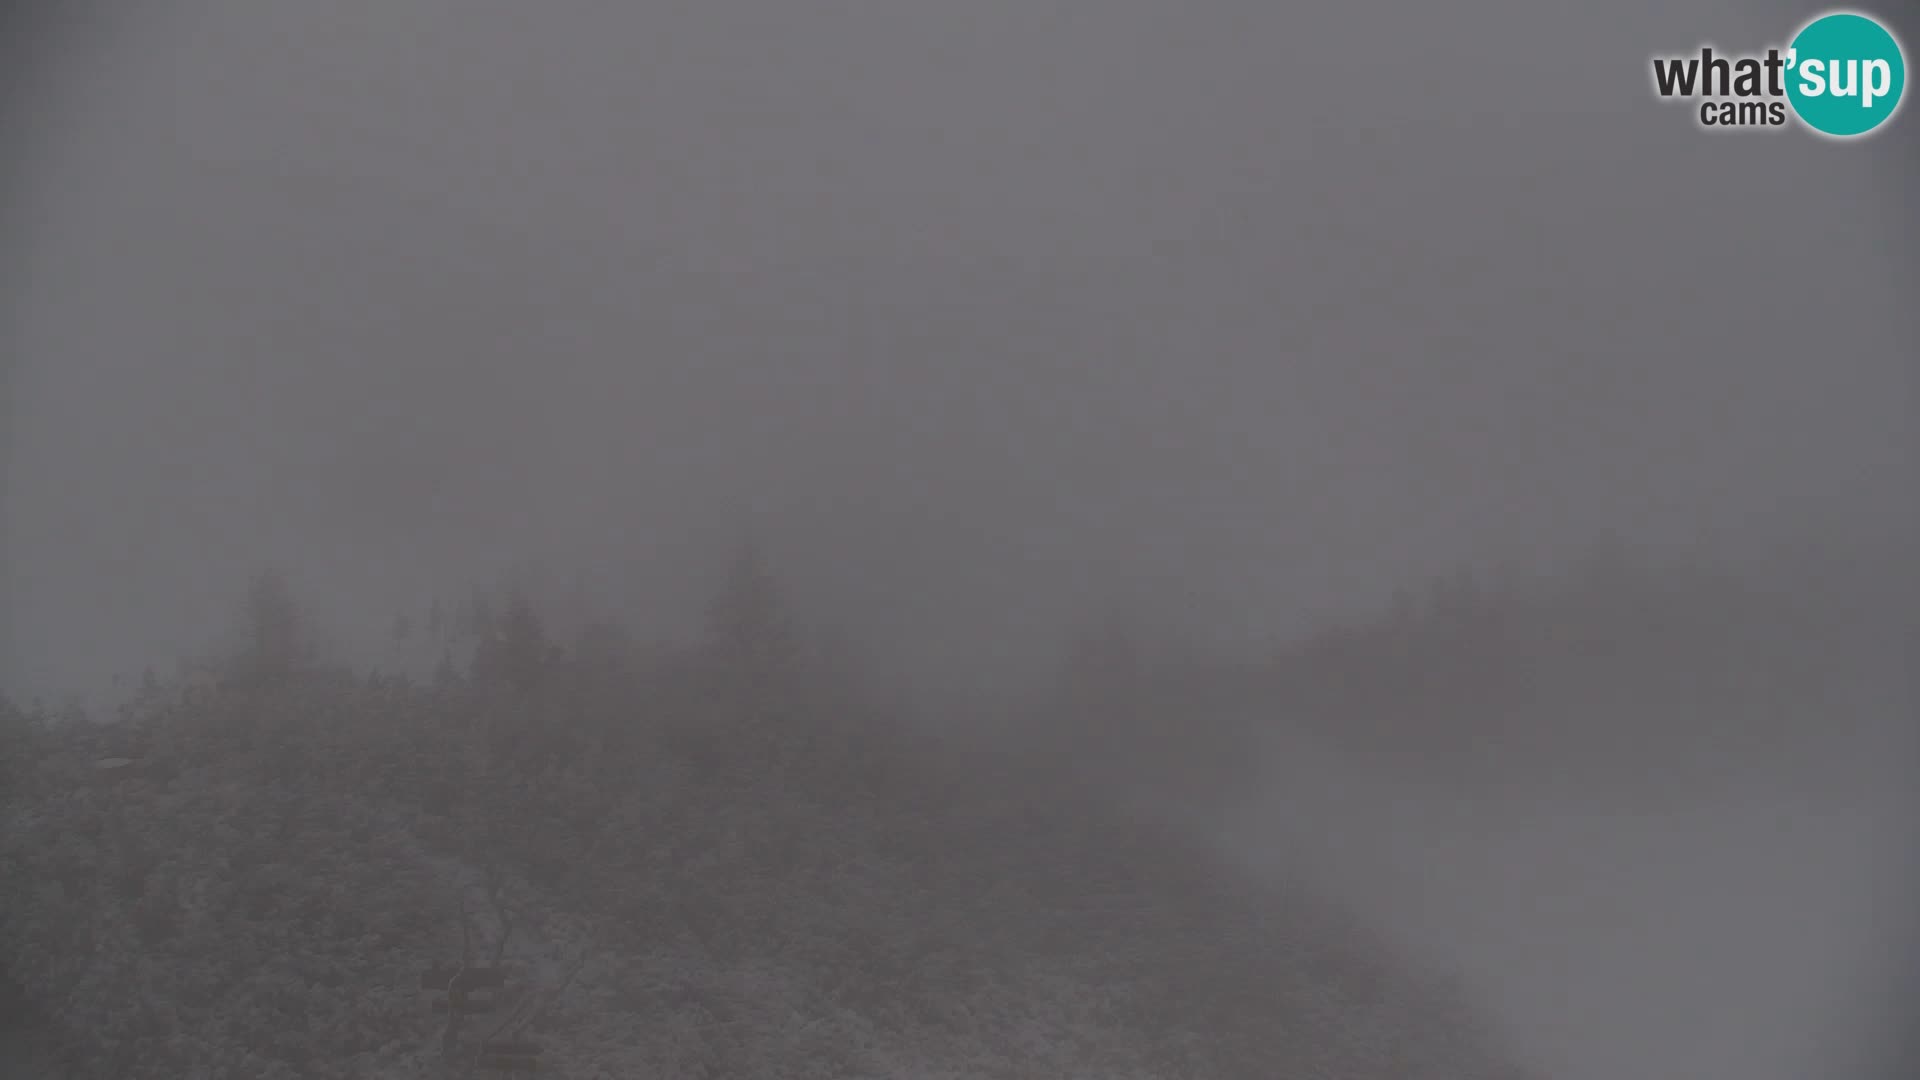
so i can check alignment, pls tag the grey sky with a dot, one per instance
(978, 313)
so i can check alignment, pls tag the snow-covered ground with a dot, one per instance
(1747, 934)
(20, 1059)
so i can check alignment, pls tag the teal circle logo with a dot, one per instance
(1845, 74)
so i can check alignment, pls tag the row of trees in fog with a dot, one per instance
(1596, 662)
(1598, 669)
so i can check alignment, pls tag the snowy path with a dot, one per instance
(1739, 938)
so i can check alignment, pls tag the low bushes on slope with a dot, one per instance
(754, 901)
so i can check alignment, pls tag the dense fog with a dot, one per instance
(1388, 487)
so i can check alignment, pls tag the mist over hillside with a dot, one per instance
(1156, 861)
(750, 870)
(1271, 542)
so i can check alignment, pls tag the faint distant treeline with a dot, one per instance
(1622, 675)
(1618, 667)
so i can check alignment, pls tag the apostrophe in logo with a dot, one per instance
(1843, 75)
(1846, 74)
